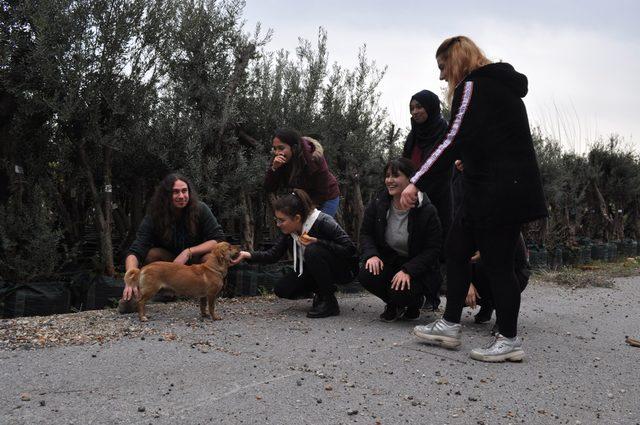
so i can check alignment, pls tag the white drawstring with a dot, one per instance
(296, 241)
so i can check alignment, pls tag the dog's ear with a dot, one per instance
(221, 250)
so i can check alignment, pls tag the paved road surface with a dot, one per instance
(266, 363)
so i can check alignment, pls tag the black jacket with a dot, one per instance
(148, 236)
(489, 131)
(325, 229)
(425, 235)
(438, 185)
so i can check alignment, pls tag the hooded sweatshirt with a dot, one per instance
(489, 131)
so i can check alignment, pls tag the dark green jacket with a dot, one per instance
(149, 237)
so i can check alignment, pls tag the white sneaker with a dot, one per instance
(440, 333)
(499, 350)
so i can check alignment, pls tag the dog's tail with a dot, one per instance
(132, 277)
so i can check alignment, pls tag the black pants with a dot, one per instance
(497, 247)
(480, 280)
(380, 285)
(322, 271)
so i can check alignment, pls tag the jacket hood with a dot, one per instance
(505, 74)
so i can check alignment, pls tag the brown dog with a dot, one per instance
(201, 280)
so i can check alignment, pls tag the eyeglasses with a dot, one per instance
(279, 221)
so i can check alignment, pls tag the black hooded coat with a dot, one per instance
(489, 131)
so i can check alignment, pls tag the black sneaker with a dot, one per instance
(390, 313)
(484, 315)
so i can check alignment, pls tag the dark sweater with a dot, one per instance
(425, 235)
(325, 229)
(315, 177)
(489, 131)
(148, 236)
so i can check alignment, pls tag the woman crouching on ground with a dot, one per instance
(400, 247)
(323, 253)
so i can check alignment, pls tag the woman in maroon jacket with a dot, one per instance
(298, 162)
(489, 131)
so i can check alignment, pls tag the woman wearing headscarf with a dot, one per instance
(428, 126)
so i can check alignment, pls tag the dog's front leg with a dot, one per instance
(212, 305)
(203, 307)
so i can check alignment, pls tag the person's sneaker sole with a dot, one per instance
(322, 316)
(382, 319)
(514, 356)
(443, 341)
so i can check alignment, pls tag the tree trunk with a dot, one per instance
(248, 222)
(102, 210)
(605, 219)
(353, 208)
(106, 242)
(71, 226)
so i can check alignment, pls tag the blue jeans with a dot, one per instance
(331, 206)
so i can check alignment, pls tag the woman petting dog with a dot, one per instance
(400, 247)
(323, 253)
(299, 162)
(178, 228)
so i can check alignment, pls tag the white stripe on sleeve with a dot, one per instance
(448, 140)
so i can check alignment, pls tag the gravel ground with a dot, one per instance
(267, 363)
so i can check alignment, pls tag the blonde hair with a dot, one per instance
(460, 56)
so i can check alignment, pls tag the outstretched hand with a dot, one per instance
(243, 255)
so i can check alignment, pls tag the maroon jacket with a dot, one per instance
(315, 179)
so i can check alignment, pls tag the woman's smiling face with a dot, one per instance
(395, 183)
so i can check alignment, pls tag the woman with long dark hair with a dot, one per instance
(323, 254)
(178, 227)
(299, 162)
(400, 247)
(489, 131)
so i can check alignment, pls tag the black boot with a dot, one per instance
(315, 302)
(390, 313)
(412, 311)
(327, 306)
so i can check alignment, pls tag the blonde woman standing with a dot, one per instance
(489, 131)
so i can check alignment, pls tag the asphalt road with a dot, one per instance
(267, 363)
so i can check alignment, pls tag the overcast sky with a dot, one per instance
(582, 58)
